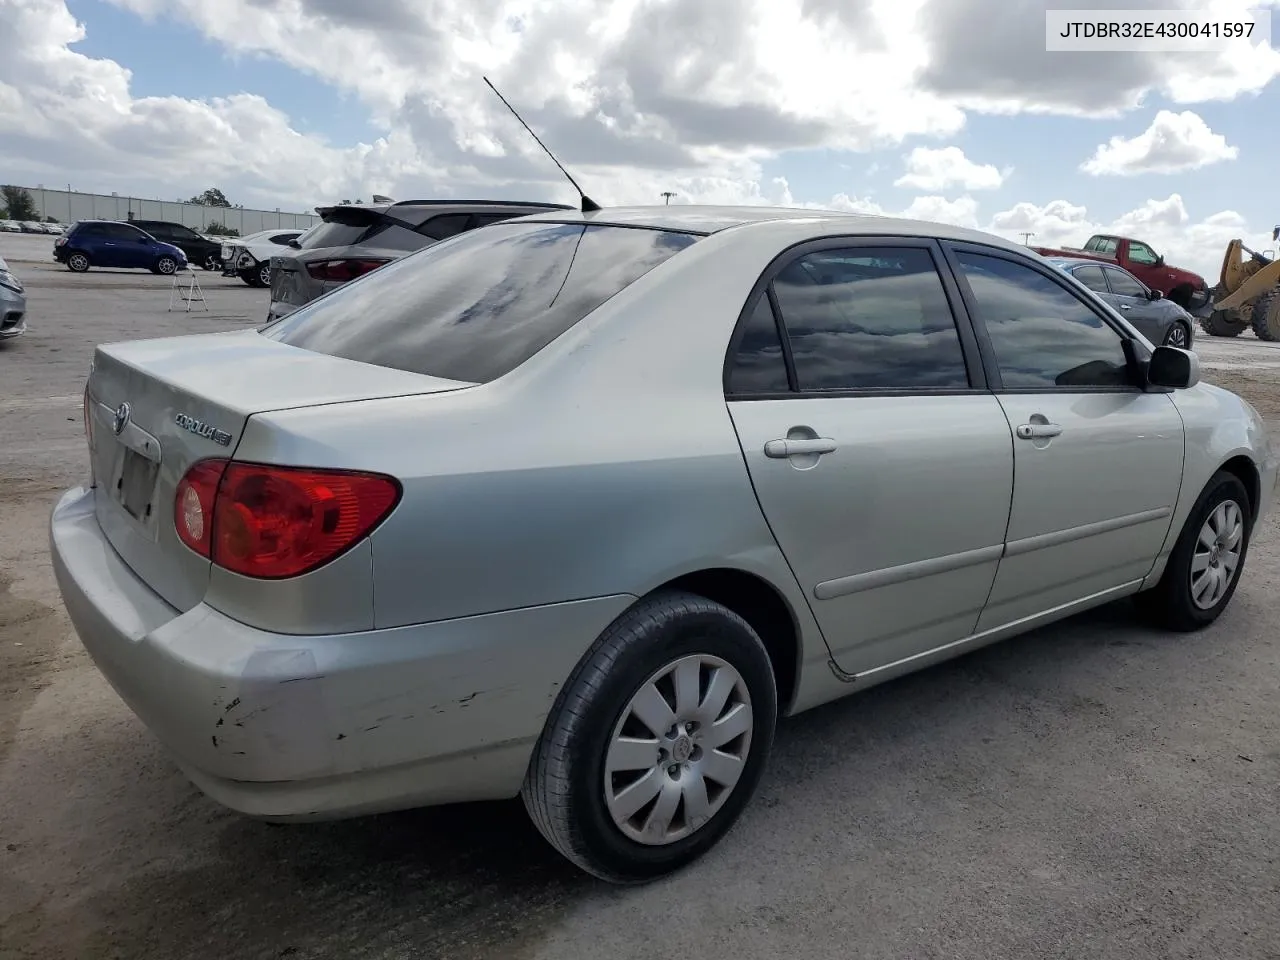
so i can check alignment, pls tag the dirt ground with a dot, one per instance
(1094, 789)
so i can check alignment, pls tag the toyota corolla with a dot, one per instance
(576, 506)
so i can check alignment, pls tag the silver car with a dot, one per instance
(13, 304)
(575, 506)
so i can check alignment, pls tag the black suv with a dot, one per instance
(200, 251)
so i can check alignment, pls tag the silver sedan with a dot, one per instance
(576, 506)
(13, 304)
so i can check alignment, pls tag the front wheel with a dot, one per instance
(211, 263)
(1204, 568)
(1179, 335)
(259, 276)
(166, 266)
(657, 742)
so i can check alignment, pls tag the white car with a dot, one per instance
(249, 258)
(10, 226)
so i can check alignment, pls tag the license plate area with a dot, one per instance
(136, 485)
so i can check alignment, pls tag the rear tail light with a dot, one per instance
(60, 241)
(343, 270)
(271, 522)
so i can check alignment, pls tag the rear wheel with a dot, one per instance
(657, 741)
(1224, 323)
(1204, 568)
(77, 262)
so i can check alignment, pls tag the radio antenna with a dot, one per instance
(588, 204)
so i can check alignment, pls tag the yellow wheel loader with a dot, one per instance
(1247, 294)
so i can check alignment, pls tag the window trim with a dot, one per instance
(952, 247)
(969, 347)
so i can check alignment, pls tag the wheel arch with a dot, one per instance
(1246, 471)
(764, 607)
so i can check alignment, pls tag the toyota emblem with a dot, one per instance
(121, 419)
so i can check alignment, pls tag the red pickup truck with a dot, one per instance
(1188, 290)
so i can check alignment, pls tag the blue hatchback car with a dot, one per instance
(112, 243)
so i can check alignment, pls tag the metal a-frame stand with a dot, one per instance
(190, 292)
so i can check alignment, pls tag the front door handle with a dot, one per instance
(781, 449)
(1038, 431)
(1126, 306)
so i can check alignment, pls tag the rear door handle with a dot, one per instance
(781, 449)
(1126, 306)
(1038, 431)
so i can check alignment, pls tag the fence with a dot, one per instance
(68, 206)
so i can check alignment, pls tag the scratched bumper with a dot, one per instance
(322, 726)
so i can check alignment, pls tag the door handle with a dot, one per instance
(781, 449)
(1038, 431)
(1125, 306)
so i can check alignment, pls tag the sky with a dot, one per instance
(946, 110)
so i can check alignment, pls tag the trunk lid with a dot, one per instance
(158, 406)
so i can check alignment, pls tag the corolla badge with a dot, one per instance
(202, 429)
(120, 419)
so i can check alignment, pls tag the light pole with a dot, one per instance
(667, 195)
(1026, 238)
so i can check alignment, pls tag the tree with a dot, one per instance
(213, 197)
(216, 229)
(19, 202)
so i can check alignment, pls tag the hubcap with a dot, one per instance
(678, 750)
(78, 261)
(1217, 555)
(265, 276)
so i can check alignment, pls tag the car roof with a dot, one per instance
(1078, 261)
(695, 218)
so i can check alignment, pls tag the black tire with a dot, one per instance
(259, 276)
(1169, 603)
(1265, 316)
(166, 266)
(77, 262)
(1178, 331)
(564, 787)
(1224, 323)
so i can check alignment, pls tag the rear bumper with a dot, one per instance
(313, 727)
(280, 309)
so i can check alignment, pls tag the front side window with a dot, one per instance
(1141, 253)
(1043, 337)
(479, 305)
(870, 318)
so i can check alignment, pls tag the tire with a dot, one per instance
(566, 784)
(1224, 323)
(1172, 603)
(1178, 331)
(211, 263)
(166, 266)
(1265, 317)
(77, 262)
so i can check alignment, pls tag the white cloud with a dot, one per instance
(929, 169)
(1165, 224)
(1174, 143)
(690, 95)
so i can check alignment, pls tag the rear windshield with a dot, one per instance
(476, 306)
(341, 228)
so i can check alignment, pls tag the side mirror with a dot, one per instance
(295, 244)
(1173, 368)
(1155, 294)
(1160, 260)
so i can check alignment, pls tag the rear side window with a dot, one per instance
(445, 225)
(759, 365)
(869, 318)
(122, 231)
(478, 306)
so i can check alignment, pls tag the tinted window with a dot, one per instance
(282, 239)
(90, 230)
(341, 228)
(1092, 278)
(1041, 334)
(1141, 253)
(484, 219)
(1106, 245)
(445, 225)
(869, 318)
(1123, 285)
(479, 305)
(182, 233)
(758, 365)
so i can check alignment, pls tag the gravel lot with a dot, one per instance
(1094, 789)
